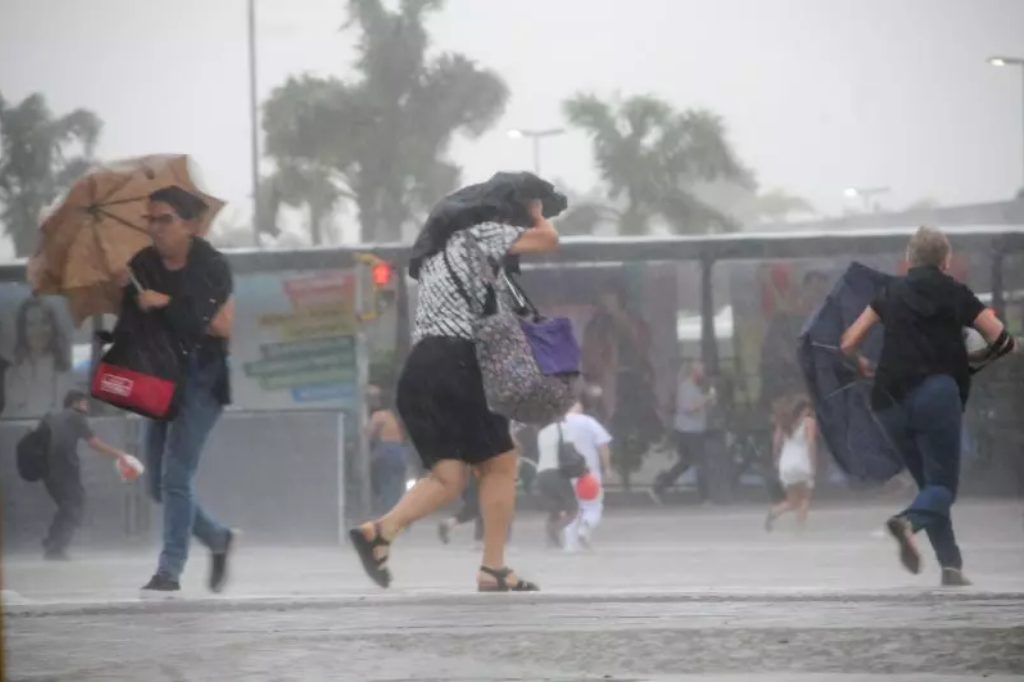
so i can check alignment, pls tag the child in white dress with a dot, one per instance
(795, 448)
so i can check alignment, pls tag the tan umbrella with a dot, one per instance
(99, 225)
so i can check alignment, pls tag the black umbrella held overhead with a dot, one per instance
(841, 396)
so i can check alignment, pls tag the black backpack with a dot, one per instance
(571, 463)
(33, 452)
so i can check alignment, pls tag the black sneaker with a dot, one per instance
(56, 555)
(219, 564)
(444, 532)
(903, 533)
(954, 577)
(161, 585)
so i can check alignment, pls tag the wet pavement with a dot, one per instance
(667, 595)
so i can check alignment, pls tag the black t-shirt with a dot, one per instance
(924, 314)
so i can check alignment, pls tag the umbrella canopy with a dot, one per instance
(842, 398)
(99, 225)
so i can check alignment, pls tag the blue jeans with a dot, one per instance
(172, 453)
(387, 473)
(926, 429)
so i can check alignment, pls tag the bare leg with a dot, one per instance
(497, 504)
(444, 484)
(803, 505)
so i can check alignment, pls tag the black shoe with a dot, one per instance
(903, 533)
(444, 532)
(56, 555)
(161, 585)
(219, 564)
(954, 577)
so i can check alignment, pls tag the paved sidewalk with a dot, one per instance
(666, 594)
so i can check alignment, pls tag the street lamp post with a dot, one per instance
(1011, 61)
(866, 194)
(254, 133)
(535, 136)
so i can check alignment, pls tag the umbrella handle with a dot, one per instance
(134, 280)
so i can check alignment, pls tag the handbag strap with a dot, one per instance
(473, 257)
(523, 303)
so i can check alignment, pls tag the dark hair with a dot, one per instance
(73, 397)
(789, 411)
(187, 205)
(58, 346)
(815, 275)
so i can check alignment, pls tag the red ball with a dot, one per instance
(588, 487)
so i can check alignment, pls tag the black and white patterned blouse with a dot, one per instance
(441, 310)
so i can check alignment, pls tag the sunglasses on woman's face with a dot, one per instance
(160, 220)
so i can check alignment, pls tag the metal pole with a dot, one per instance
(254, 139)
(536, 155)
(361, 504)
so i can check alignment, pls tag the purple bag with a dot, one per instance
(530, 364)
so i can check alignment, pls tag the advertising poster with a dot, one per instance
(294, 344)
(36, 350)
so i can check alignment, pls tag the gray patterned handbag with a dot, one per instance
(530, 364)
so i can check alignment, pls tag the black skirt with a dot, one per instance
(442, 405)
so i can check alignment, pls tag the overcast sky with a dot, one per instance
(818, 94)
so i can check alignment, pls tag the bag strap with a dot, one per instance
(522, 301)
(473, 257)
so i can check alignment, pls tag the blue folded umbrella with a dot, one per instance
(842, 398)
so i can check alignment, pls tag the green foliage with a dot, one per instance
(381, 140)
(40, 156)
(651, 156)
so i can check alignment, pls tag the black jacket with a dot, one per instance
(500, 199)
(178, 331)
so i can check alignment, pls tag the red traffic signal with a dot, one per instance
(381, 273)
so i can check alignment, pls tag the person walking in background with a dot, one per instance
(690, 425)
(39, 375)
(67, 428)
(468, 511)
(592, 441)
(794, 445)
(921, 386)
(441, 397)
(186, 299)
(389, 463)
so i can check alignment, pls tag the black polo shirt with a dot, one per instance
(924, 314)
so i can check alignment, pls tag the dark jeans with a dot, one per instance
(65, 487)
(387, 475)
(173, 450)
(692, 452)
(925, 427)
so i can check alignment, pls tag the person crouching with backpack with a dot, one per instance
(63, 477)
(574, 447)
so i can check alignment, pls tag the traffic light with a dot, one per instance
(381, 272)
(380, 285)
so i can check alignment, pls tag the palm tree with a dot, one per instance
(381, 141)
(650, 156)
(40, 156)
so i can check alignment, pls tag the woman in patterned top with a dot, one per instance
(442, 404)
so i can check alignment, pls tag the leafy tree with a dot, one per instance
(651, 156)
(777, 205)
(40, 156)
(380, 141)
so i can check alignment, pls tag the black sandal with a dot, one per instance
(500, 576)
(375, 568)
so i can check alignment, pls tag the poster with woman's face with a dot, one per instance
(35, 353)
